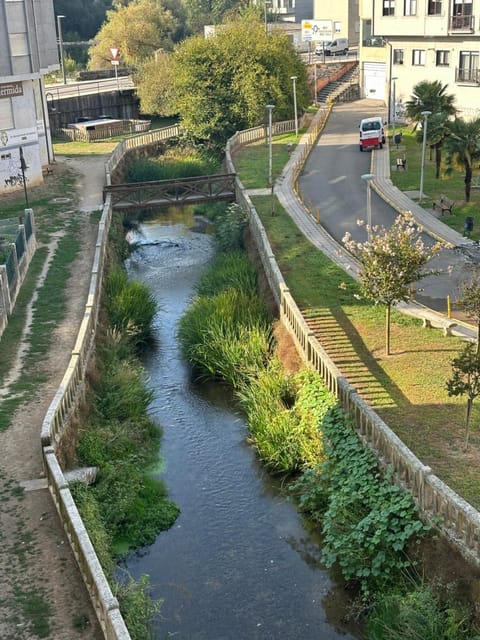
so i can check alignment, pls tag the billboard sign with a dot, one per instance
(317, 30)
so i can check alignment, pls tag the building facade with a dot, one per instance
(343, 14)
(29, 51)
(406, 41)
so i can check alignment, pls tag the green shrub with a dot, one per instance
(229, 229)
(284, 416)
(137, 607)
(134, 506)
(92, 518)
(130, 307)
(188, 162)
(418, 614)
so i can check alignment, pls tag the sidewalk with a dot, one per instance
(452, 261)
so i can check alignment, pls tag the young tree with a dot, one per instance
(465, 380)
(153, 81)
(390, 261)
(222, 84)
(469, 301)
(463, 148)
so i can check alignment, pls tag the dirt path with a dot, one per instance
(42, 593)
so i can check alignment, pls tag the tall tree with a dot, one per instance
(138, 29)
(390, 261)
(203, 12)
(437, 131)
(222, 84)
(463, 149)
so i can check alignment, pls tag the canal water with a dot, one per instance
(238, 564)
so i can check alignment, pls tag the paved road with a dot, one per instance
(331, 180)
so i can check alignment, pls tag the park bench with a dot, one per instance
(430, 322)
(401, 163)
(444, 204)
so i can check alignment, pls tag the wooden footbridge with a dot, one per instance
(163, 193)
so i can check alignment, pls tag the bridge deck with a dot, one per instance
(181, 191)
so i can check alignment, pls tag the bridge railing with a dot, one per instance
(436, 501)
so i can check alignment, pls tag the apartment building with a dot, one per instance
(29, 51)
(344, 16)
(406, 41)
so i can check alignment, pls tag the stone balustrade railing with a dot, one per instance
(457, 519)
(460, 522)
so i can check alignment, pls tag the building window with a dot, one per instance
(19, 44)
(418, 57)
(434, 7)
(388, 7)
(442, 58)
(398, 56)
(468, 70)
(410, 8)
(6, 114)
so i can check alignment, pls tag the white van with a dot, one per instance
(372, 133)
(333, 48)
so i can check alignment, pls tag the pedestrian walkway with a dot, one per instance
(451, 261)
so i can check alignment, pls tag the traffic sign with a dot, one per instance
(317, 30)
(114, 51)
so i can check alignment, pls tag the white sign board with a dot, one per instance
(317, 30)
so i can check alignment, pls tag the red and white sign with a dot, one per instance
(114, 51)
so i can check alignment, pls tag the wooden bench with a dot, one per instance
(401, 163)
(444, 204)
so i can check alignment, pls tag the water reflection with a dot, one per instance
(238, 563)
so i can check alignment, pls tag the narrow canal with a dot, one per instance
(238, 563)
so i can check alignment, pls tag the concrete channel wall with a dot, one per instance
(460, 522)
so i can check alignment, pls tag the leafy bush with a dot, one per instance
(368, 522)
(229, 229)
(284, 416)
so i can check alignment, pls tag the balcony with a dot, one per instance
(467, 76)
(461, 24)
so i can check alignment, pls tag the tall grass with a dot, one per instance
(226, 336)
(186, 162)
(284, 415)
(229, 270)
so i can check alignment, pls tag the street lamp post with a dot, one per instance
(393, 107)
(425, 115)
(60, 43)
(294, 78)
(270, 108)
(368, 177)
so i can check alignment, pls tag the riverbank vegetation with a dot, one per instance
(370, 527)
(127, 507)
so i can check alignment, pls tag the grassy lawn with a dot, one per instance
(407, 388)
(451, 185)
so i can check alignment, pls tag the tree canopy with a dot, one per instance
(391, 260)
(222, 84)
(463, 148)
(138, 29)
(430, 96)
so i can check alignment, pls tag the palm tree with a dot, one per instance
(432, 96)
(438, 130)
(463, 148)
